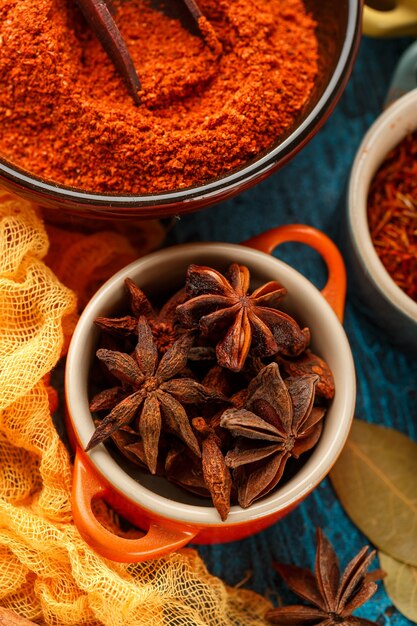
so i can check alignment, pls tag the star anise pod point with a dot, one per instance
(152, 393)
(332, 597)
(277, 422)
(223, 309)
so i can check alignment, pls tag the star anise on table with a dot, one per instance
(278, 421)
(333, 597)
(222, 308)
(151, 391)
(163, 324)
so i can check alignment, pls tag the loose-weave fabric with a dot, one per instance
(48, 574)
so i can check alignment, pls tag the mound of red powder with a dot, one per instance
(66, 116)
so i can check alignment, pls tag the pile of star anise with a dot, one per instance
(217, 391)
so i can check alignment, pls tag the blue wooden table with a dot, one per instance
(310, 190)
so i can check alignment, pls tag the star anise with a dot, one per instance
(278, 421)
(220, 379)
(130, 444)
(334, 597)
(183, 468)
(215, 471)
(163, 325)
(150, 391)
(310, 363)
(165, 408)
(224, 310)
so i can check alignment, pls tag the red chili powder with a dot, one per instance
(66, 116)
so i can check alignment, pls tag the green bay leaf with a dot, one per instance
(401, 585)
(375, 479)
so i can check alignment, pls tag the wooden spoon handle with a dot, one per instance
(194, 9)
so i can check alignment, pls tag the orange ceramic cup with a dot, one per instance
(170, 517)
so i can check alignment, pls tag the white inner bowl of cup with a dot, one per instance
(398, 121)
(163, 272)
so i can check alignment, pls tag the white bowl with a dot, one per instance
(387, 304)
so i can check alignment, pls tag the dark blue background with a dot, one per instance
(310, 190)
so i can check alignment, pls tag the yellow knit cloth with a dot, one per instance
(47, 573)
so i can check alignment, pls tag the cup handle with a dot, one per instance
(335, 289)
(402, 20)
(157, 541)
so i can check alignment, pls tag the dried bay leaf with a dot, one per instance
(375, 480)
(401, 585)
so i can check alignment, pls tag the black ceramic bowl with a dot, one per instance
(338, 32)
